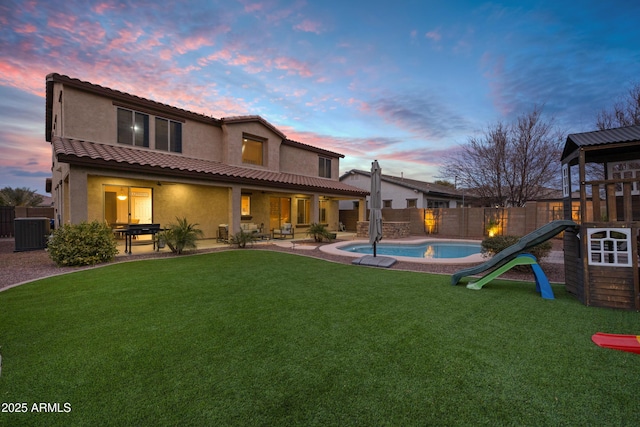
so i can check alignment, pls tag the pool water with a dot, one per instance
(421, 250)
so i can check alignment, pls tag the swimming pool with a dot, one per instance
(441, 251)
(428, 249)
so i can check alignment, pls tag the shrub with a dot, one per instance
(493, 245)
(181, 235)
(241, 239)
(319, 232)
(82, 244)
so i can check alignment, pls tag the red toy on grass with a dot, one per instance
(630, 343)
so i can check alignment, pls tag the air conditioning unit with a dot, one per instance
(31, 233)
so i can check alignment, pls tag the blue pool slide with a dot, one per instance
(527, 242)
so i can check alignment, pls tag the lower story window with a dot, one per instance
(304, 211)
(245, 207)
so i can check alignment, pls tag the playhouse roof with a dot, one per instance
(622, 135)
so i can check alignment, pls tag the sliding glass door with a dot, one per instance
(127, 205)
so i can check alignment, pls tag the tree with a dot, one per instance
(22, 196)
(509, 164)
(445, 183)
(623, 113)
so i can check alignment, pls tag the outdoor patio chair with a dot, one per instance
(284, 232)
(223, 233)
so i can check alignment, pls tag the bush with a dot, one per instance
(493, 245)
(241, 239)
(181, 235)
(319, 232)
(82, 244)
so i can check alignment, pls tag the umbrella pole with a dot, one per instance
(374, 248)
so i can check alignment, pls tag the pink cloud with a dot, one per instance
(293, 66)
(25, 29)
(193, 43)
(434, 35)
(309, 26)
(253, 7)
(126, 41)
(101, 8)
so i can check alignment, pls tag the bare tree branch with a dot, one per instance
(510, 163)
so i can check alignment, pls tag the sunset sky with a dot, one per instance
(403, 82)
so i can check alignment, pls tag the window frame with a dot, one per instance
(246, 139)
(324, 167)
(173, 135)
(610, 250)
(303, 214)
(122, 133)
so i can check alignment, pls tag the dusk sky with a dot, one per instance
(403, 82)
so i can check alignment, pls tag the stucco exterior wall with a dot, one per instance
(233, 134)
(200, 141)
(87, 116)
(303, 162)
(91, 117)
(205, 205)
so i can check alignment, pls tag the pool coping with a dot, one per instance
(334, 249)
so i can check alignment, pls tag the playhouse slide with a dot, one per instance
(532, 239)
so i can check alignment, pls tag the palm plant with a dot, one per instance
(21, 196)
(319, 232)
(181, 235)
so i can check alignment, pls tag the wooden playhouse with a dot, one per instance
(601, 258)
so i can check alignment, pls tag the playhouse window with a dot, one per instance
(609, 246)
(565, 180)
(625, 170)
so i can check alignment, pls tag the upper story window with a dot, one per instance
(133, 128)
(168, 135)
(324, 167)
(412, 203)
(252, 151)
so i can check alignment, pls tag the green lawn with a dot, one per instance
(263, 338)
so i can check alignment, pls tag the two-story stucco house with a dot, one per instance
(123, 159)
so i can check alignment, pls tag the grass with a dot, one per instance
(264, 338)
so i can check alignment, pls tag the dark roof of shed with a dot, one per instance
(151, 161)
(600, 137)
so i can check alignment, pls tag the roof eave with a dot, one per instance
(185, 173)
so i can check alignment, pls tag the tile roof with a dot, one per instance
(422, 186)
(80, 152)
(165, 109)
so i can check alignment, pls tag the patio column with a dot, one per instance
(235, 205)
(315, 208)
(362, 210)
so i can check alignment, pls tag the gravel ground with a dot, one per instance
(20, 267)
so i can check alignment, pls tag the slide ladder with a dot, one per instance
(542, 283)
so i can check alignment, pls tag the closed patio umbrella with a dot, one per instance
(375, 206)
